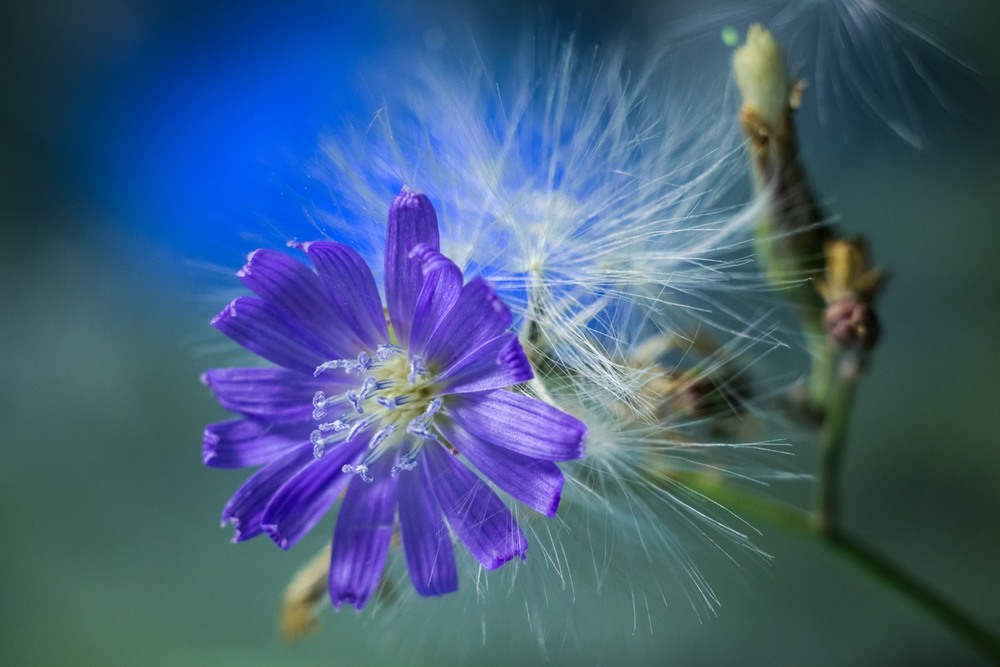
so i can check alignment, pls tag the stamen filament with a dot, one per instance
(417, 369)
(381, 435)
(357, 428)
(361, 470)
(406, 462)
(355, 400)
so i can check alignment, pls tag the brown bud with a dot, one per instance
(852, 324)
(848, 272)
(303, 596)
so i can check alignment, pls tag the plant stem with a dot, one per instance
(822, 360)
(890, 574)
(798, 522)
(792, 242)
(840, 401)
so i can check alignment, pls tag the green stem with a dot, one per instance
(916, 591)
(840, 401)
(799, 522)
(790, 240)
(822, 358)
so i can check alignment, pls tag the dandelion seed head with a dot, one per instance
(571, 183)
(590, 200)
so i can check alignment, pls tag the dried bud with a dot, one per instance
(676, 389)
(303, 596)
(849, 272)
(849, 289)
(852, 324)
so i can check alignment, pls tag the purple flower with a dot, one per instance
(396, 415)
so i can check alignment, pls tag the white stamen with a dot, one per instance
(406, 462)
(355, 400)
(330, 365)
(376, 374)
(417, 369)
(319, 405)
(381, 435)
(368, 388)
(336, 425)
(357, 428)
(434, 407)
(363, 365)
(418, 427)
(392, 403)
(319, 444)
(385, 352)
(360, 470)
(358, 367)
(320, 441)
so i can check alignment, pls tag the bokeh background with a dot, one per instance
(146, 145)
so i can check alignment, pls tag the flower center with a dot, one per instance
(394, 398)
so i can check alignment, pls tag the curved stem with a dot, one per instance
(798, 522)
(822, 360)
(791, 242)
(840, 401)
(890, 574)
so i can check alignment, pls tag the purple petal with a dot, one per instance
(476, 514)
(412, 221)
(442, 286)
(245, 508)
(352, 291)
(477, 317)
(495, 364)
(362, 536)
(430, 557)
(264, 329)
(304, 499)
(538, 484)
(242, 443)
(522, 424)
(292, 287)
(276, 394)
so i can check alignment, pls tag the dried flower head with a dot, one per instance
(575, 185)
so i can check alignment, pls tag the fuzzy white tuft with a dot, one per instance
(590, 199)
(574, 186)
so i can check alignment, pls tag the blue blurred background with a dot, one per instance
(146, 145)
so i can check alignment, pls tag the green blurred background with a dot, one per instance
(128, 170)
